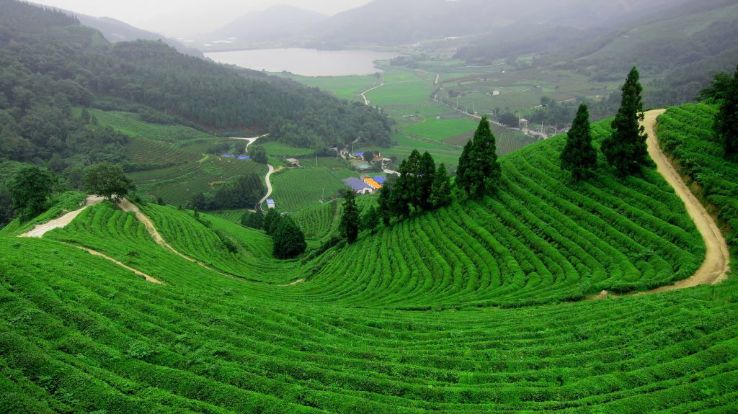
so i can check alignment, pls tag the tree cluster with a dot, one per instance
(288, 238)
(479, 172)
(107, 180)
(244, 192)
(420, 187)
(30, 190)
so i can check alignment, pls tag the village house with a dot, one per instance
(358, 186)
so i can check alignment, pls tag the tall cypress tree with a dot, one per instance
(579, 156)
(350, 221)
(480, 170)
(385, 202)
(441, 191)
(403, 191)
(626, 148)
(425, 179)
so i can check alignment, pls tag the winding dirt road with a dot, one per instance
(268, 178)
(716, 266)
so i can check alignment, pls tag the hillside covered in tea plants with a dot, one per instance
(482, 306)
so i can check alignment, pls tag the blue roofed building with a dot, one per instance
(381, 180)
(271, 204)
(358, 186)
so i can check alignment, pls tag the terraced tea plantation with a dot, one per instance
(476, 308)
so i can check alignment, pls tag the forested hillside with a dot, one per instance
(49, 63)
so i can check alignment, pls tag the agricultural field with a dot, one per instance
(686, 134)
(407, 97)
(80, 334)
(298, 188)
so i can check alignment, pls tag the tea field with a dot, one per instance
(475, 308)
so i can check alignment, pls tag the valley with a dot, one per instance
(406, 206)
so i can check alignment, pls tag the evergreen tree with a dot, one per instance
(463, 174)
(370, 219)
(412, 179)
(385, 203)
(579, 156)
(350, 220)
(480, 170)
(289, 240)
(426, 177)
(441, 190)
(402, 192)
(726, 122)
(30, 190)
(626, 148)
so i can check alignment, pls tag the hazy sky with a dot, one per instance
(179, 18)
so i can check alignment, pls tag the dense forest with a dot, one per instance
(49, 64)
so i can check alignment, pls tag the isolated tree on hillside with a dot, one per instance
(107, 180)
(626, 149)
(726, 121)
(426, 177)
(441, 191)
(479, 171)
(350, 221)
(289, 240)
(579, 156)
(30, 190)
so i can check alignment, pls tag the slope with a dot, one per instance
(79, 334)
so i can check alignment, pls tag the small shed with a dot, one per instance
(371, 182)
(271, 205)
(292, 162)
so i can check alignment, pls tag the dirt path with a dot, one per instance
(363, 94)
(716, 266)
(146, 277)
(63, 221)
(268, 181)
(250, 141)
(129, 207)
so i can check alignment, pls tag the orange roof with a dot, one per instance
(372, 183)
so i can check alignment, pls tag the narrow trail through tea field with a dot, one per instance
(716, 266)
(63, 221)
(268, 178)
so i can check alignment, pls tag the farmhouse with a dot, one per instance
(371, 182)
(358, 186)
(292, 162)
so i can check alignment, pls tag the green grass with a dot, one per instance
(401, 322)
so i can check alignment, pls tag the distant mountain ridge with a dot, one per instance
(262, 29)
(117, 31)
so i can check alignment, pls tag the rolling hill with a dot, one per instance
(402, 322)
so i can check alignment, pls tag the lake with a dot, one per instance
(305, 62)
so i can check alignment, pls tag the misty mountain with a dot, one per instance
(262, 29)
(398, 22)
(117, 31)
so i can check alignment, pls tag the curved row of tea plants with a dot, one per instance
(541, 239)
